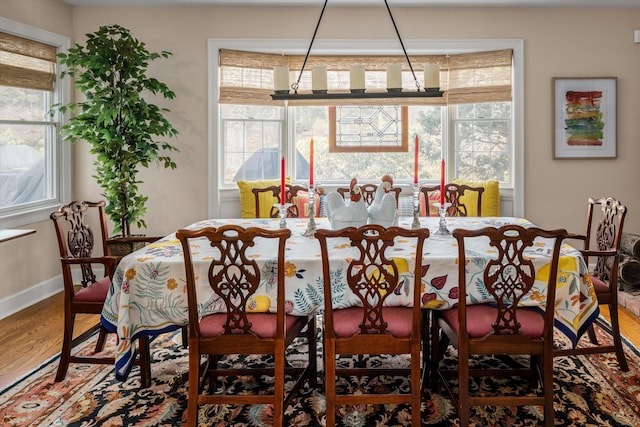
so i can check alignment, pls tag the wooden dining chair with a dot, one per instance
(76, 243)
(372, 327)
(369, 193)
(453, 194)
(500, 328)
(234, 278)
(605, 219)
(291, 192)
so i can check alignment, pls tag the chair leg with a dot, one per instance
(416, 389)
(330, 382)
(439, 343)
(547, 389)
(208, 370)
(536, 364)
(145, 362)
(102, 339)
(592, 335)
(463, 389)
(617, 339)
(278, 387)
(185, 336)
(65, 354)
(313, 355)
(426, 349)
(194, 387)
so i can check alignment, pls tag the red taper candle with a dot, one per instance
(311, 162)
(415, 162)
(282, 186)
(442, 182)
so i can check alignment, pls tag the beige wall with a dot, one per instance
(29, 265)
(558, 43)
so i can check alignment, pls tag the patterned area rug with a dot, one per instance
(589, 391)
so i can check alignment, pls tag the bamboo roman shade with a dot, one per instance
(479, 77)
(247, 77)
(26, 63)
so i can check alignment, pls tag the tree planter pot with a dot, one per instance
(122, 246)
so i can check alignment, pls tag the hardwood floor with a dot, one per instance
(33, 335)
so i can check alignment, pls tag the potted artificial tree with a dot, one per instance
(122, 127)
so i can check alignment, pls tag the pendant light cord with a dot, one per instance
(393, 21)
(296, 85)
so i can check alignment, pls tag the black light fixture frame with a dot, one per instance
(418, 93)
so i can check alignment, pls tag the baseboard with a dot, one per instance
(26, 298)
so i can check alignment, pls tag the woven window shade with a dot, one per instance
(26, 63)
(247, 77)
(480, 77)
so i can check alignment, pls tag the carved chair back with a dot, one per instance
(453, 194)
(368, 193)
(291, 192)
(76, 239)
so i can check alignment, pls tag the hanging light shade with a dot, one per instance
(282, 90)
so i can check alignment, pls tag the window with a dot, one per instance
(368, 128)
(476, 128)
(482, 135)
(34, 167)
(339, 167)
(251, 136)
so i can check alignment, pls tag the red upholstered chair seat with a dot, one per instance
(96, 292)
(480, 319)
(263, 324)
(599, 286)
(399, 321)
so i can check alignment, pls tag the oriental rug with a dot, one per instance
(589, 391)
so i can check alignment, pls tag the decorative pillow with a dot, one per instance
(434, 197)
(490, 197)
(248, 201)
(302, 201)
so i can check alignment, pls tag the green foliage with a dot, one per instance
(115, 119)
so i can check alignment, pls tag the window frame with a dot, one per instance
(513, 193)
(402, 146)
(453, 119)
(252, 121)
(59, 160)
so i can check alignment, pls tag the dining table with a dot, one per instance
(148, 297)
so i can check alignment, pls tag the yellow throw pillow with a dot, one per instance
(248, 201)
(490, 197)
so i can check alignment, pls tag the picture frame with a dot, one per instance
(584, 117)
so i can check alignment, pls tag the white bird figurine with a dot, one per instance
(384, 207)
(343, 215)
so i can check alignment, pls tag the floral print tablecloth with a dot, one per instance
(148, 292)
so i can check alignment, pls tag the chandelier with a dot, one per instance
(282, 90)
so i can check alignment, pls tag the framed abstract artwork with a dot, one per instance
(584, 118)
